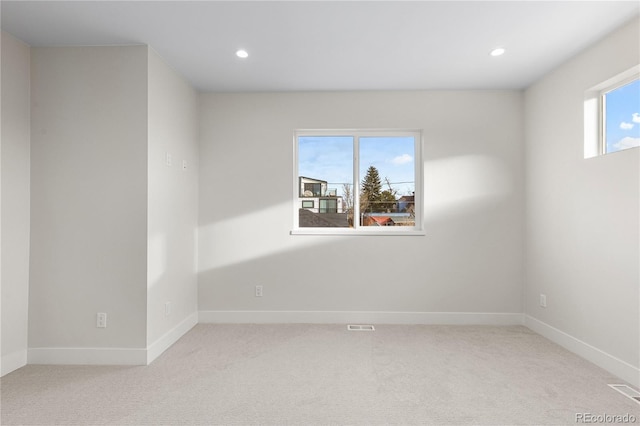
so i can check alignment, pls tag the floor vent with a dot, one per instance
(628, 392)
(351, 327)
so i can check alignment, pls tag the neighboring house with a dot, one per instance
(369, 220)
(407, 203)
(320, 206)
(316, 197)
(388, 219)
(309, 219)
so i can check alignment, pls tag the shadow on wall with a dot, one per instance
(454, 187)
(419, 274)
(474, 241)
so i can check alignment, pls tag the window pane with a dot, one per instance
(312, 189)
(325, 175)
(387, 181)
(622, 117)
(329, 205)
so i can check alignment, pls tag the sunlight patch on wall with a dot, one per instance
(251, 236)
(157, 258)
(459, 184)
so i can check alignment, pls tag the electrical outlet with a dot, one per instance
(101, 320)
(167, 309)
(258, 291)
(543, 300)
(168, 159)
(184, 164)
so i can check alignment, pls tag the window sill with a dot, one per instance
(350, 231)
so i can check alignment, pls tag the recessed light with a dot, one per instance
(242, 54)
(498, 51)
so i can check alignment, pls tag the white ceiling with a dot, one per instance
(327, 45)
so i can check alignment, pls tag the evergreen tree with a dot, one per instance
(370, 191)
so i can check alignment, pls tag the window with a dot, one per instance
(365, 182)
(621, 117)
(329, 205)
(312, 190)
(612, 115)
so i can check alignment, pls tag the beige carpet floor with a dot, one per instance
(324, 374)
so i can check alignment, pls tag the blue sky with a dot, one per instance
(330, 158)
(623, 117)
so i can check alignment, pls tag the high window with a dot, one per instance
(621, 117)
(612, 115)
(358, 182)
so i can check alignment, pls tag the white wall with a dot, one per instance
(173, 201)
(15, 201)
(583, 215)
(469, 261)
(88, 199)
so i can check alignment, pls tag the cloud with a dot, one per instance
(626, 126)
(402, 159)
(636, 117)
(627, 142)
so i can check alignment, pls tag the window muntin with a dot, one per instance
(620, 109)
(340, 158)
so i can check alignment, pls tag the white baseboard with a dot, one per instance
(344, 317)
(597, 356)
(88, 356)
(13, 361)
(110, 356)
(169, 338)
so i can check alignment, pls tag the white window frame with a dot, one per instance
(357, 229)
(595, 109)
